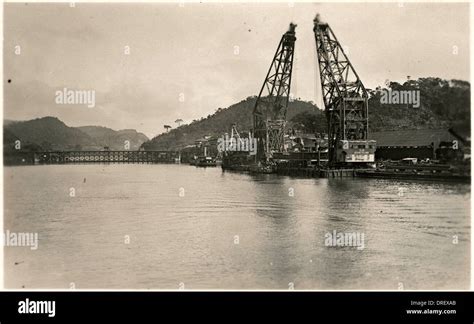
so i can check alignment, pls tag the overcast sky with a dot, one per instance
(191, 50)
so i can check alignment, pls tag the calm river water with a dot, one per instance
(122, 226)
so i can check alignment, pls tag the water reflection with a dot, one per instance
(231, 230)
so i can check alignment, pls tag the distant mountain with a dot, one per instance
(221, 122)
(50, 133)
(115, 140)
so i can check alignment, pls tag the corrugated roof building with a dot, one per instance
(414, 143)
(412, 138)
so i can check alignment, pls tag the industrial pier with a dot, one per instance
(347, 150)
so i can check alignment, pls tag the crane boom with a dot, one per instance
(345, 99)
(269, 114)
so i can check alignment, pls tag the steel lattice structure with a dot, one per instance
(345, 97)
(272, 103)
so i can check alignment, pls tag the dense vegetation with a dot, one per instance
(219, 123)
(443, 103)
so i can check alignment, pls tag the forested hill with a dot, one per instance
(219, 123)
(442, 104)
(50, 133)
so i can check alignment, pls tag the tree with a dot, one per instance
(167, 127)
(310, 122)
(178, 121)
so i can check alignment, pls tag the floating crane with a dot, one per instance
(269, 115)
(345, 99)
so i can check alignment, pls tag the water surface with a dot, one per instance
(208, 229)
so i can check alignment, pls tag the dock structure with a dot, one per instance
(65, 157)
(337, 173)
(315, 172)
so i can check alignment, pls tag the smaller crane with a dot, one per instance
(270, 109)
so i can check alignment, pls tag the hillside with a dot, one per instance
(115, 140)
(219, 123)
(442, 104)
(50, 133)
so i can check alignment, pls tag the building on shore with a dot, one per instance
(443, 144)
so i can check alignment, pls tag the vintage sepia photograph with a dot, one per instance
(236, 146)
